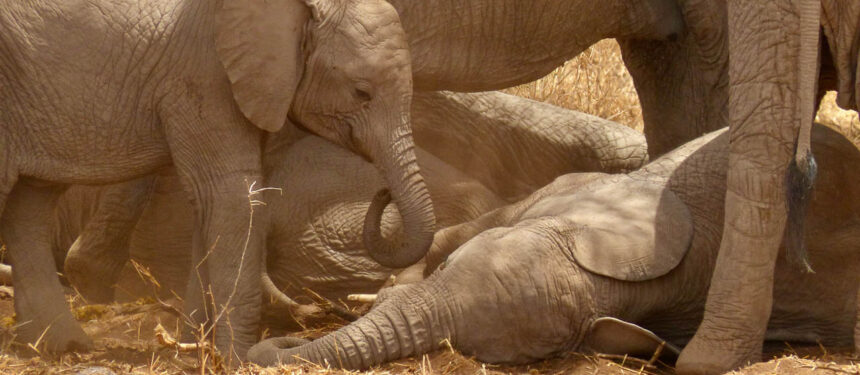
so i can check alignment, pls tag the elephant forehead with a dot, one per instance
(629, 230)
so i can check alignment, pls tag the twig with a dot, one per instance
(330, 307)
(625, 358)
(657, 353)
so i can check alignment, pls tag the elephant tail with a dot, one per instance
(800, 180)
(803, 169)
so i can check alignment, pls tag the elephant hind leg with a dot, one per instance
(42, 313)
(96, 259)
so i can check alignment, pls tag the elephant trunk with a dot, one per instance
(399, 167)
(413, 320)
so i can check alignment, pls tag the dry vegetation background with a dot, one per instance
(596, 83)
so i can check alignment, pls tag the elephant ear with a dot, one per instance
(259, 43)
(629, 230)
(613, 336)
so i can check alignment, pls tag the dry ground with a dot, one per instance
(595, 83)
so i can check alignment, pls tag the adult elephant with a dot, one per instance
(477, 151)
(607, 263)
(100, 92)
(779, 67)
(676, 52)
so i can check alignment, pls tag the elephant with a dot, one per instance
(314, 238)
(602, 263)
(103, 92)
(784, 55)
(675, 51)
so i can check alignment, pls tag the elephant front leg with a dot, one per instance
(857, 327)
(772, 75)
(96, 259)
(42, 315)
(218, 159)
(224, 291)
(740, 296)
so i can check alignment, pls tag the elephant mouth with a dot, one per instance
(342, 132)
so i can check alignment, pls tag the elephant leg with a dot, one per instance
(218, 159)
(42, 313)
(772, 74)
(857, 327)
(224, 287)
(96, 259)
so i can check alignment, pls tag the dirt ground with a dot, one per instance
(126, 343)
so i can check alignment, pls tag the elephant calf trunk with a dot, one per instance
(413, 321)
(411, 246)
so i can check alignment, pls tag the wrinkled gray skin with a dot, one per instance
(784, 55)
(676, 51)
(517, 265)
(102, 92)
(471, 149)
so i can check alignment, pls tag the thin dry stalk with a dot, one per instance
(595, 82)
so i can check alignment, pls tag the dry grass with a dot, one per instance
(846, 122)
(595, 83)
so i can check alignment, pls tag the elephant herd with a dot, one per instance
(250, 149)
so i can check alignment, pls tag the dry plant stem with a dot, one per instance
(332, 308)
(625, 359)
(657, 353)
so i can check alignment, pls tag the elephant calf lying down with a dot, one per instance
(607, 263)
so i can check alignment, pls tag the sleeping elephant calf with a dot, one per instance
(472, 148)
(605, 263)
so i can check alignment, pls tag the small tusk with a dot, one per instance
(365, 298)
(165, 339)
(5, 274)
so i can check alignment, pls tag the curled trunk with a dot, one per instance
(411, 321)
(409, 192)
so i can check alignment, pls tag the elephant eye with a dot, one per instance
(363, 92)
(362, 95)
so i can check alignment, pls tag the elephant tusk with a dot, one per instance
(165, 339)
(5, 274)
(364, 298)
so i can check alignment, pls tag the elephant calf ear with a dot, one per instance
(628, 230)
(612, 336)
(259, 45)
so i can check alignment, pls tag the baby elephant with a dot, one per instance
(605, 263)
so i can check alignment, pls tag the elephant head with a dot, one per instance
(342, 70)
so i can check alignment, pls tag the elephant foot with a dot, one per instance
(705, 355)
(61, 335)
(265, 353)
(91, 276)
(857, 328)
(857, 337)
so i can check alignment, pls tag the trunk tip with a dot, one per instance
(396, 253)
